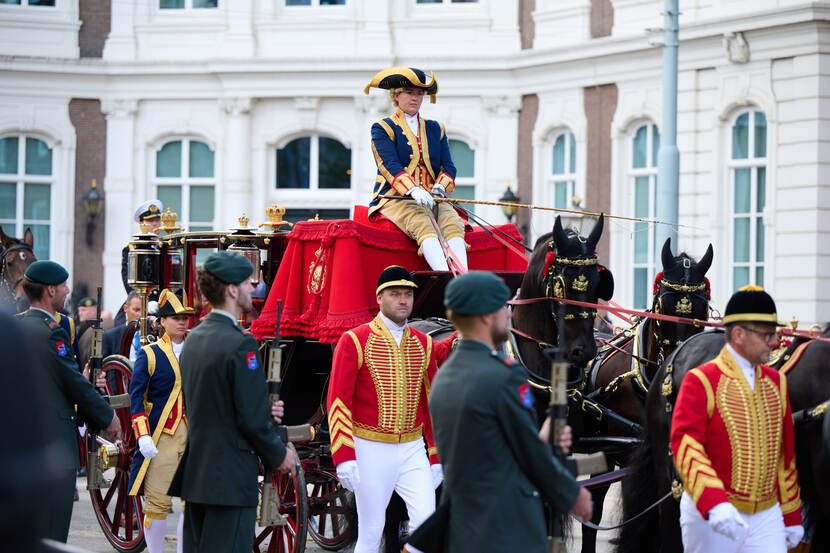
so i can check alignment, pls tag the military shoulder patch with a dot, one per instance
(53, 324)
(61, 347)
(525, 395)
(250, 357)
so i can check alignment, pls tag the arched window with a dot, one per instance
(643, 183)
(562, 177)
(185, 182)
(314, 162)
(464, 159)
(748, 179)
(26, 179)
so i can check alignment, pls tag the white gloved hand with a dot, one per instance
(794, 535)
(725, 519)
(147, 447)
(439, 190)
(437, 475)
(421, 196)
(348, 475)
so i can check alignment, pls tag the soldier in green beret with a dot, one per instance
(228, 415)
(45, 285)
(486, 434)
(87, 309)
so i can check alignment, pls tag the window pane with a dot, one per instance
(13, 2)
(759, 276)
(42, 3)
(760, 134)
(298, 214)
(204, 3)
(36, 202)
(641, 242)
(761, 199)
(297, 2)
(759, 239)
(464, 159)
(201, 159)
(655, 145)
(560, 195)
(332, 2)
(740, 137)
(169, 160)
(171, 4)
(639, 147)
(292, 164)
(429, 1)
(200, 228)
(572, 165)
(641, 199)
(334, 165)
(742, 190)
(171, 196)
(38, 157)
(41, 240)
(465, 192)
(201, 203)
(8, 200)
(740, 277)
(741, 240)
(640, 288)
(559, 155)
(8, 155)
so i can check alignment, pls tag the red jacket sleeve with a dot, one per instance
(789, 495)
(694, 407)
(423, 404)
(441, 350)
(340, 401)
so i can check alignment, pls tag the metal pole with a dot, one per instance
(668, 164)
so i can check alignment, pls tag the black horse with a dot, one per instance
(652, 471)
(15, 256)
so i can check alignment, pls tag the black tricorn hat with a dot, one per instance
(171, 303)
(395, 275)
(750, 304)
(404, 77)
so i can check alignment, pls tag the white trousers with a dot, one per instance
(384, 468)
(765, 532)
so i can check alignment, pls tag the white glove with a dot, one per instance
(794, 535)
(439, 190)
(152, 307)
(725, 519)
(147, 447)
(421, 196)
(437, 475)
(348, 475)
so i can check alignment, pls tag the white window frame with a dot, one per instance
(188, 5)
(753, 164)
(467, 181)
(568, 177)
(25, 4)
(315, 4)
(186, 181)
(21, 178)
(650, 171)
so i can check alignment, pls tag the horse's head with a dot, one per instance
(681, 289)
(15, 256)
(572, 272)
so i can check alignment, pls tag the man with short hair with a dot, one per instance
(377, 411)
(733, 442)
(497, 466)
(45, 285)
(228, 416)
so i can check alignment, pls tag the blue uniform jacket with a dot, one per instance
(155, 393)
(397, 155)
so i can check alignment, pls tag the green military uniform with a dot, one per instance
(229, 425)
(51, 346)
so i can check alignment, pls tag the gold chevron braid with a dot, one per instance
(341, 441)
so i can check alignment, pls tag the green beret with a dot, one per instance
(476, 293)
(46, 272)
(228, 267)
(87, 302)
(395, 275)
(750, 304)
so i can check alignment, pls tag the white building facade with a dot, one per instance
(219, 107)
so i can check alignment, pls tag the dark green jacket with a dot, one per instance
(52, 351)
(228, 414)
(496, 469)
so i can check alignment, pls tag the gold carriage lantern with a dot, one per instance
(173, 269)
(243, 241)
(143, 263)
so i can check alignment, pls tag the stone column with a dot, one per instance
(496, 158)
(120, 44)
(236, 195)
(239, 38)
(118, 188)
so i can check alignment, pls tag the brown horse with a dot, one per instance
(15, 256)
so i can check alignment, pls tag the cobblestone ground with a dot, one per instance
(86, 534)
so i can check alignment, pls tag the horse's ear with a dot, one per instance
(596, 234)
(605, 290)
(29, 238)
(559, 236)
(705, 261)
(3, 238)
(667, 256)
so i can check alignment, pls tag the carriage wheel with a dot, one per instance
(119, 514)
(331, 515)
(290, 537)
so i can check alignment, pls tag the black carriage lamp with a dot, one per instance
(143, 265)
(509, 197)
(92, 202)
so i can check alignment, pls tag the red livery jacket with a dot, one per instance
(378, 390)
(731, 443)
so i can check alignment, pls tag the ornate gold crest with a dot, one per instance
(580, 284)
(316, 273)
(683, 306)
(558, 289)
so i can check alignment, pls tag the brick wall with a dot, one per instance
(600, 105)
(527, 121)
(602, 18)
(526, 27)
(95, 26)
(90, 157)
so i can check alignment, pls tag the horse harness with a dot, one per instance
(557, 287)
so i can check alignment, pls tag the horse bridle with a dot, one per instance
(4, 252)
(557, 287)
(684, 305)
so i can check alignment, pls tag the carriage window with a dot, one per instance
(185, 182)
(26, 189)
(314, 162)
(748, 176)
(464, 159)
(643, 184)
